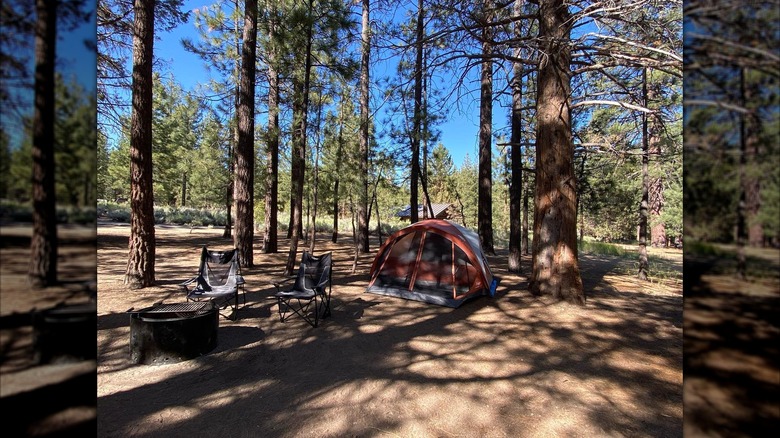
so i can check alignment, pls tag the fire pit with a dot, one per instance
(65, 333)
(170, 333)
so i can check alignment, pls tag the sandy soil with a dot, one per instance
(514, 365)
(511, 366)
(55, 398)
(732, 358)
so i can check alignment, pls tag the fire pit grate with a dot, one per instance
(169, 333)
(180, 310)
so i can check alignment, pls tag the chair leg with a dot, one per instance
(280, 302)
(326, 301)
(316, 312)
(301, 310)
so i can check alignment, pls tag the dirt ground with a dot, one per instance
(732, 358)
(513, 365)
(57, 397)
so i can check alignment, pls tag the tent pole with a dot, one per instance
(454, 286)
(417, 260)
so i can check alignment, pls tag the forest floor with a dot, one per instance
(55, 398)
(513, 365)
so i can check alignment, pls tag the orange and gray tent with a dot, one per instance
(435, 261)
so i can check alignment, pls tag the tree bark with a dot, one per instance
(363, 206)
(228, 232)
(270, 238)
(42, 269)
(526, 213)
(339, 152)
(643, 204)
(656, 206)
(485, 189)
(316, 183)
(300, 116)
(417, 122)
(297, 174)
(751, 182)
(555, 267)
(243, 196)
(380, 238)
(140, 262)
(516, 179)
(184, 189)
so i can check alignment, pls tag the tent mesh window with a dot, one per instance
(397, 265)
(434, 271)
(465, 273)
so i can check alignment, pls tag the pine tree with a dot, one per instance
(555, 269)
(43, 244)
(245, 151)
(140, 262)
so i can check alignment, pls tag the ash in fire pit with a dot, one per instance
(170, 333)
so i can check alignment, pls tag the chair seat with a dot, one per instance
(214, 292)
(309, 297)
(219, 280)
(296, 294)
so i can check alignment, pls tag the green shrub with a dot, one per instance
(699, 248)
(601, 248)
(13, 211)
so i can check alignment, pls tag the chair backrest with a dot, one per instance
(219, 268)
(314, 272)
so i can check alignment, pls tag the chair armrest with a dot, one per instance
(184, 284)
(278, 284)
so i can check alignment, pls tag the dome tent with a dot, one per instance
(435, 261)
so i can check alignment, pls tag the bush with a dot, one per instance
(700, 248)
(601, 248)
(12, 211)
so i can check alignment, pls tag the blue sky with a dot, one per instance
(74, 61)
(459, 133)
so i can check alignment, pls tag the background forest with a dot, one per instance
(427, 61)
(194, 130)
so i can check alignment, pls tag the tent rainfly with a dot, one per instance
(435, 261)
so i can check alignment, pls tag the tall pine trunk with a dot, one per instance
(140, 262)
(42, 270)
(270, 237)
(363, 206)
(643, 204)
(316, 183)
(555, 268)
(485, 188)
(751, 180)
(526, 213)
(297, 172)
(656, 203)
(417, 117)
(245, 149)
(339, 153)
(516, 178)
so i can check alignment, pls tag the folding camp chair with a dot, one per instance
(312, 287)
(219, 280)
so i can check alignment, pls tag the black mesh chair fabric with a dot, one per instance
(218, 280)
(309, 296)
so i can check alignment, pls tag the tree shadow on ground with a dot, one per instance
(54, 397)
(732, 359)
(375, 365)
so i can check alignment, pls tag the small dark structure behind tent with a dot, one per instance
(440, 211)
(435, 261)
